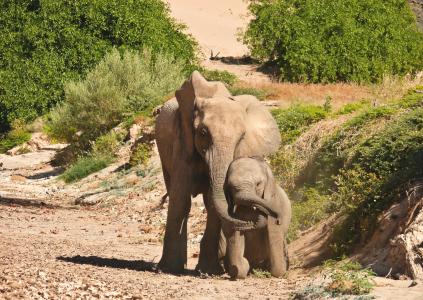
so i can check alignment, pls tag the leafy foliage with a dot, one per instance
(47, 43)
(115, 88)
(86, 166)
(239, 90)
(331, 40)
(17, 136)
(293, 121)
(141, 155)
(216, 75)
(306, 212)
(348, 278)
(259, 273)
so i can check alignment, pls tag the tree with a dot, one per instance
(46, 43)
(335, 40)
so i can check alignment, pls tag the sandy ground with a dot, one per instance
(51, 248)
(213, 24)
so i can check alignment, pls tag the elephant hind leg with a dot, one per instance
(174, 256)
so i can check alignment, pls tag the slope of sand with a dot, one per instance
(213, 24)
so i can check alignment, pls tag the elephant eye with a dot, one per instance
(203, 131)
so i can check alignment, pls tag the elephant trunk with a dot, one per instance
(218, 170)
(250, 199)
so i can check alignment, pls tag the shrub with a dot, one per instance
(239, 90)
(141, 154)
(107, 144)
(330, 40)
(347, 277)
(17, 136)
(383, 166)
(216, 75)
(115, 88)
(294, 120)
(352, 107)
(86, 166)
(354, 187)
(306, 212)
(47, 43)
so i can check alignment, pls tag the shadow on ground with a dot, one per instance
(136, 265)
(47, 174)
(9, 201)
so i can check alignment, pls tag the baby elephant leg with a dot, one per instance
(238, 265)
(276, 248)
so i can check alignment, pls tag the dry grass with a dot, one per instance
(393, 87)
(309, 142)
(314, 94)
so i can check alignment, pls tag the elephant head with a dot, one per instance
(221, 128)
(250, 184)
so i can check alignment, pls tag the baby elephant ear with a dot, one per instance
(270, 187)
(196, 86)
(262, 135)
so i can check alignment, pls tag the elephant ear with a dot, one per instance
(196, 86)
(262, 135)
(270, 187)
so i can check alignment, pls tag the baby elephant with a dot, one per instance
(252, 192)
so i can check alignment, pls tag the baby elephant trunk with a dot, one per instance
(257, 203)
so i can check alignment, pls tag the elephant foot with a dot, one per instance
(209, 268)
(239, 271)
(170, 266)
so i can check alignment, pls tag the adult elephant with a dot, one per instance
(198, 134)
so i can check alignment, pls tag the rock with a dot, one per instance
(37, 142)
(89, 199)
(145, 228)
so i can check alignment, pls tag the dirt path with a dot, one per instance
(53, 249)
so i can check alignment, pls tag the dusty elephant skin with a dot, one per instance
(199, 133)
(251, 191)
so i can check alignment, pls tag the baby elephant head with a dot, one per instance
(250, 189)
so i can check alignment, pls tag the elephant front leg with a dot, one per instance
(238, 264)
(208, 262)
(174, 256)
(276, 248)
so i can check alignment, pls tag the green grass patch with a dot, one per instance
(238, 90)
(86, 166)
(17, 136)
(294, 120)
(216, 75)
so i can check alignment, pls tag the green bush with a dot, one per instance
(239, 90)
(331, 40)
(141, 154)
(107, 144)
(382, 168)
(352, 107)
(216, 75)
(347, 277)
(47, 43)
(115, 88)
(86, 166)
(306, 212)
(294, 120)
(17, 136)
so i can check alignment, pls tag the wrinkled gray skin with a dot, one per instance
(198, 134)
(250, 183)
